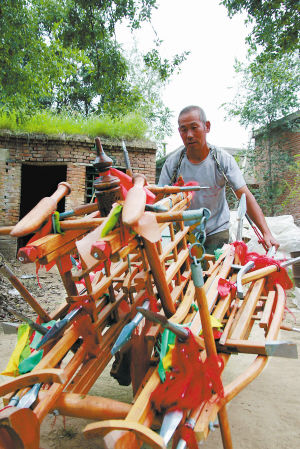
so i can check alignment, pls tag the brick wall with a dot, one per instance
(285, 138)
(76, 153)
(291, 196)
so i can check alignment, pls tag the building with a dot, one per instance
(32, 165)
(277, 151)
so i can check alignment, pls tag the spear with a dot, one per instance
(241, 212)
(35, 326)
(30, 397)
(127, 330)
(58, 328)
(174, 189)
(127, 160)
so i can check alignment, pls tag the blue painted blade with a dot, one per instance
(155, 208)
(29, 398)
(14, 400)
(127, 330)
(58, 328)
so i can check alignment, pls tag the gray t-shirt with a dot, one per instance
(207, 174)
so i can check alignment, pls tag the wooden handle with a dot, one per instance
(135, 201)
(62, 190)
(85, 209)
(6, 230)
(36, 217)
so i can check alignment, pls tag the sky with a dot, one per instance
(207, 76)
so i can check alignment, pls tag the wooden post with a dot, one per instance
(107, 187)
(159, 278)
(6, 271)
(209, 344)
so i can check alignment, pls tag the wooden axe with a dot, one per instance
(36, 217)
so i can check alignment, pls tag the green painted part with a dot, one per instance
(112, 221)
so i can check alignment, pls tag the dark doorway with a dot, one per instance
(37, 182)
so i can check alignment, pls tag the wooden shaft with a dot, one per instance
(43, 408)
(5, 230)
(210, 346)
(170, 189)
(56, 354)
(165, 217)
(205, 321)
(63, 189)
(225, 428)
(81, 223)
(171, 200)
(85, 209)
(259, 274)
(88, 407)
(5, 270)
(67, 280)
(159, 278)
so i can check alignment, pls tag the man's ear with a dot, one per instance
(207, 126)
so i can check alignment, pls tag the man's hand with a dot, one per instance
(255, 213)
(271, 241)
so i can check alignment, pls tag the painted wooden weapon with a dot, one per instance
(120, 273)
(37, 216)
(174, 189)
(134, 205)
(127, 160)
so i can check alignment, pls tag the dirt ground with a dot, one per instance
(265, 415)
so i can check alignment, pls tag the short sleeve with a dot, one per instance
(165, 175)
(234, 173)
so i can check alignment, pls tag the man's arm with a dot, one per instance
(255, 213)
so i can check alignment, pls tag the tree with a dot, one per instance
(64, 55)
(266, 93)
(149, 75)
(276, 24)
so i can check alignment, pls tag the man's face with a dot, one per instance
(193, 131)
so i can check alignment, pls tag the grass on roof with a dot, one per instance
(131, 126)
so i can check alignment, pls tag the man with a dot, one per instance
(201, 162)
